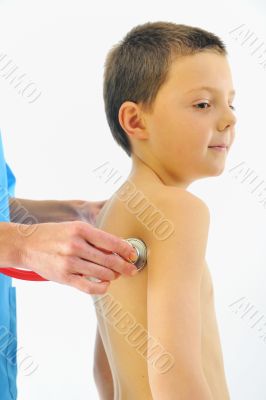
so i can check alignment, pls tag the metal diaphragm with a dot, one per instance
(141, 250)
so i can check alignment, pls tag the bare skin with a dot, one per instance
(172, 298)
(121, 360)
(101, 371)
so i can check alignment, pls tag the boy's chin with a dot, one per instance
(215, 170)
(218, 171)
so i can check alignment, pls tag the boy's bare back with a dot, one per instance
(168, 307)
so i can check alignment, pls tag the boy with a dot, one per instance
(168, 98)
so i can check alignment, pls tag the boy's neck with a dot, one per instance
(152, 172)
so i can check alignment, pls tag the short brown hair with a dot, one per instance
(137, 66)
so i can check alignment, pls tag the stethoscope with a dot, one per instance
(27, 275)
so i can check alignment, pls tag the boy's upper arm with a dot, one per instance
(175, 268)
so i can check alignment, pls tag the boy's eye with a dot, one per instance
(200, 104)
(204, 103)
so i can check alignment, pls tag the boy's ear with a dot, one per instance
(132, 120)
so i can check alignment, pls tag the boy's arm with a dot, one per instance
(101, 370)
(173, 294)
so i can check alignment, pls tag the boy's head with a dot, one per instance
(151, 105)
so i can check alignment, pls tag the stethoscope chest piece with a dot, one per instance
(141, 251)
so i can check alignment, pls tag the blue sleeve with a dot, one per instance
(11, 181)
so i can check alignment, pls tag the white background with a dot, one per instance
(54, 144)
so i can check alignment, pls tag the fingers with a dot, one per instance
(110, 261)
(109, 243)
(89, 269)
(86, 285)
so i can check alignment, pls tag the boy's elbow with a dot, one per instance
(179, 387)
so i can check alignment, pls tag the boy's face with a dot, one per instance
(185, 120)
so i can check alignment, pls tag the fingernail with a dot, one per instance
(133, 256)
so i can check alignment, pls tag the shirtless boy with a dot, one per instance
(168, 95)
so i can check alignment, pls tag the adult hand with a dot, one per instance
(71, 252)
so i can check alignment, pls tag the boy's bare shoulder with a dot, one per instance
(174, 201)
(183, 250)
(185, 217)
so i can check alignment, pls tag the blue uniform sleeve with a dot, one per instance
(11, 180)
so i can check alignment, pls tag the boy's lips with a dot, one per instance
(220, 145)
(219, 148)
